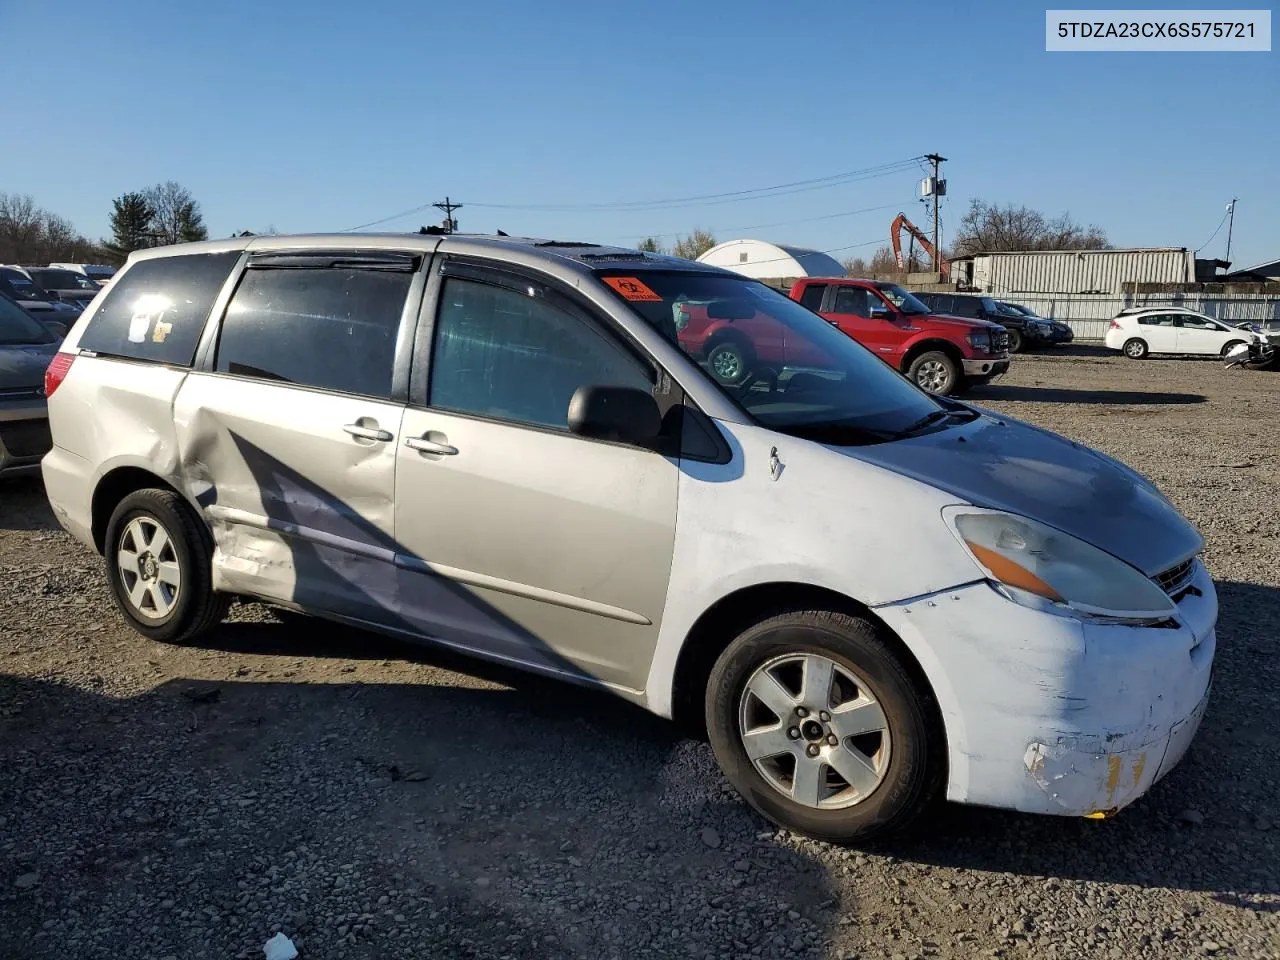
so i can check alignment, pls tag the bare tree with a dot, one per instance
(177, 217)
(694, 245)
(32, 235)
(988, 228)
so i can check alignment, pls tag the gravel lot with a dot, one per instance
(376, 800)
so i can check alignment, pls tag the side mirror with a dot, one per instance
(618, 414)
(879, 313)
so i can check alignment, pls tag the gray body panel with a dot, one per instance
(1004, 464)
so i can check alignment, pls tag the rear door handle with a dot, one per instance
(367, 433)
(430, 446)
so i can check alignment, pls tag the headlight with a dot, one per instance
(980, 340)
(1046, 569)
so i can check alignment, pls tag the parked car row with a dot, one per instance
(57, 294)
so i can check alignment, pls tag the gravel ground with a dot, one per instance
(375, 800)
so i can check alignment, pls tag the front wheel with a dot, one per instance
(934, 372)
(728, 362)
(1231, 346)
(1015, 340)
(158, 557)
(819, 725)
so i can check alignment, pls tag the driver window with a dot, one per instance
(852, 300)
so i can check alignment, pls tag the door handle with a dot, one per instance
(367, 433)
(424, 445)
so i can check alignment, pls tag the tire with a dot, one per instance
(170, 612)
(1229, 346)
(729, 361)
(935, 372)
(1016, 343)
(1135, 349)
(900, 770)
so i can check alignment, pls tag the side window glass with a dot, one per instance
(942, 303)
(332, 328)
(812, 296)
(851, 300)
(503, 354)
(157, 309)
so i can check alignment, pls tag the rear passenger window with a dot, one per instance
(811, 296)
(333, 328)
(156, 310)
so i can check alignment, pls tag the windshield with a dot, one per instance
(904, 301)
(16, 327)
(786, 367)
(1012, 310)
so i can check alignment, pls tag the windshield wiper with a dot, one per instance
(932, 417)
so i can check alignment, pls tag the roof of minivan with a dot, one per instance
(584, 255)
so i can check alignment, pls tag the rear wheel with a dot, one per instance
(934, 372)
(158, 557)
(822, 729)
(1135, 349)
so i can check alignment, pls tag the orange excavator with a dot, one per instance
(895, 237)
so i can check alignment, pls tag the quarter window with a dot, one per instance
(333, 328)
(510, 355)
(157, 309)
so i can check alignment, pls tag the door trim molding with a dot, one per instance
(418, 565)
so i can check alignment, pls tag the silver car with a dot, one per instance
(26, 349)
(867, 597)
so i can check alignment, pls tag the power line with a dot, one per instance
(778, 223)
(1216, 229)
(710, 199)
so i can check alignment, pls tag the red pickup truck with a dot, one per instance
(941, 354)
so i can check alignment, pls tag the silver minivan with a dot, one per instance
(867, 597)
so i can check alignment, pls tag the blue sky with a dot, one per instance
(322, 116)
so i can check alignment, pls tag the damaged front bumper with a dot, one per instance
(1050, 714)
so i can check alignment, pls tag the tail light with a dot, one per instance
(1115, 324)
(56, 372)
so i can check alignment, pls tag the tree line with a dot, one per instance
(161, 214)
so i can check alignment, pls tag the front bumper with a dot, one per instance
(24, 436)
(1048, 714)
(988, 367)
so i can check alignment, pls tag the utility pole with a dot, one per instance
(937, 254)
(450, 225)
(1231, 222)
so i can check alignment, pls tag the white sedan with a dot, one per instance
(1137, 333)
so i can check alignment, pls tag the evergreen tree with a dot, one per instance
(132, 226)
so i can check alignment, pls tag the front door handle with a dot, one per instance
(424, 445)
(367, 433)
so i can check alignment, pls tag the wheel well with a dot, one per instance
(728, 617)
(113, 488)
(924, 346)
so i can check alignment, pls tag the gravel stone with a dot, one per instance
(157, 819)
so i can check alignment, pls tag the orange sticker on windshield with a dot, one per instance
(632, 288)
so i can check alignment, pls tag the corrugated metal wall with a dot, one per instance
(1088, 316)
(1080, 271)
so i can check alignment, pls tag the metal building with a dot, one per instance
(762, 260)
(1073, 271)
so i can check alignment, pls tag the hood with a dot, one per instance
(1007, 465)
(22, 366)
(967, 322)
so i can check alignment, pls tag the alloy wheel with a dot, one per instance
(149, 568)
(814, 731)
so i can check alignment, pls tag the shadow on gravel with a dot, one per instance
(1212, 824)
(996, 391)
(23, 505)
(377, 820)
